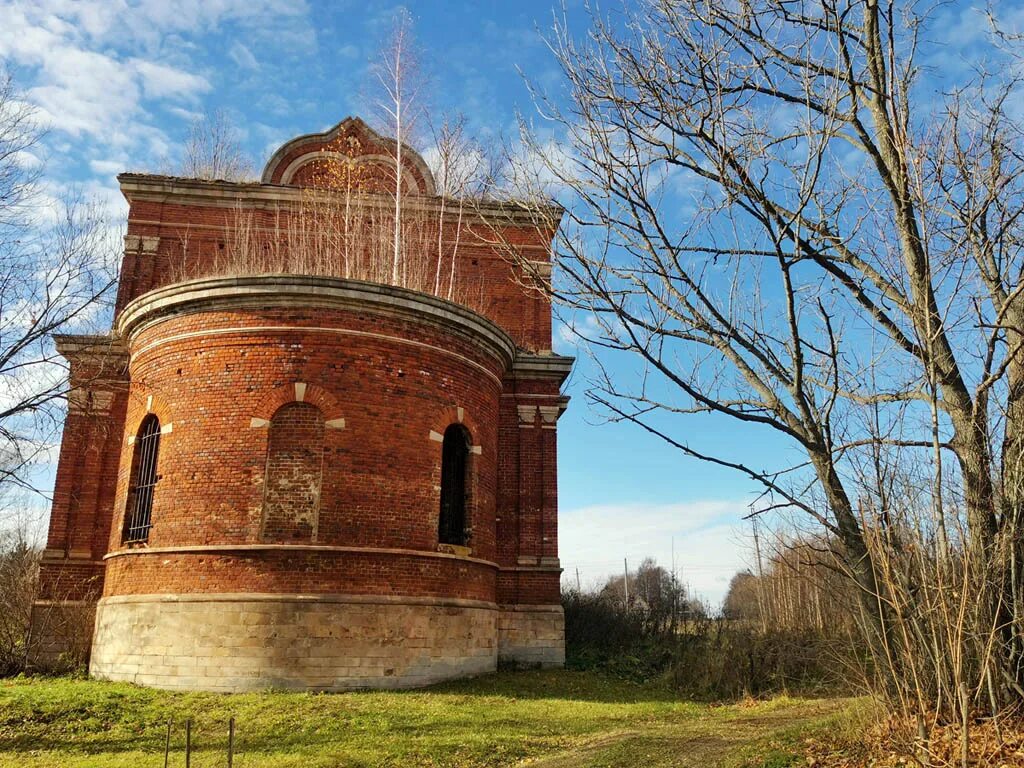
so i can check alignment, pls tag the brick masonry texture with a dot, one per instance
(294, 537)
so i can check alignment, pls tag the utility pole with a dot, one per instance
(757, 546)
(578, 588)
(760, 575)
(625, 570)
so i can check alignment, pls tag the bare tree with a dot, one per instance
(462, 171)
(765, 212)
(214, 150)
(400, 106)
(57, 271)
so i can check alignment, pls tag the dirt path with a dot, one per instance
(703, 742)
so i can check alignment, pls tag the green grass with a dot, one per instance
(784, 747)
(567, 718)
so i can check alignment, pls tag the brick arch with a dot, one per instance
(140, 406)
(456, 415)
(297, 391)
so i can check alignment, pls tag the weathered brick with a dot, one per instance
(299, 457)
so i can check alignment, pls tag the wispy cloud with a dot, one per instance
(243, 57)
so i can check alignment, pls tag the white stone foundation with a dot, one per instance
(252, 642)
(532, 635)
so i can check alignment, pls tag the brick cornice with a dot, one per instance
(550, 367)
(232, 195)
(100, 347)
(261, 291)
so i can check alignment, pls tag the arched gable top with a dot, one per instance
(354, 144)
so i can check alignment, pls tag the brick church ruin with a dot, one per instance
(303, 457)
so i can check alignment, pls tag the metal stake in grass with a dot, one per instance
(231, 741)
(167, 744)
(188, 743)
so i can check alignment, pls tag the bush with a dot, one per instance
(706, 658)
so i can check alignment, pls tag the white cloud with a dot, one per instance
(707, 538)
(243, 57)
(99, 70)
(162, 82)
(106, 167)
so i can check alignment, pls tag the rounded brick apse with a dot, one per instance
(287, 455)
(311, 482)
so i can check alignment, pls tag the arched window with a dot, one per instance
(139, 514)
(295, 457)
(454, 486)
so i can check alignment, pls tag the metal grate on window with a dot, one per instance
(140, 499)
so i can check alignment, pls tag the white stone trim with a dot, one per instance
(257, 423)
(541, 268)
(527, 415)
(525, 566)
(300, 391)
(335, 423)
(531, 607)
(92, 401)
(476, 449)
(166, 428)
(294, 597)
(325, 548)
(549, 415)
(437, 437)
(141, 243)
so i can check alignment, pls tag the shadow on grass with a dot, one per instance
(562, 684)
(81, 717)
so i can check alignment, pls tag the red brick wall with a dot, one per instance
(84, 491)
(392, 381)
(381, 472)
(193, 241)
(304, 572)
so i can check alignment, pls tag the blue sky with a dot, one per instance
(119, 83)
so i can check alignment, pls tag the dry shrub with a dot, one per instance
(19, 580)
(52, 635)
(894, 742)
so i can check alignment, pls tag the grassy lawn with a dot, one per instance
(549, 718)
